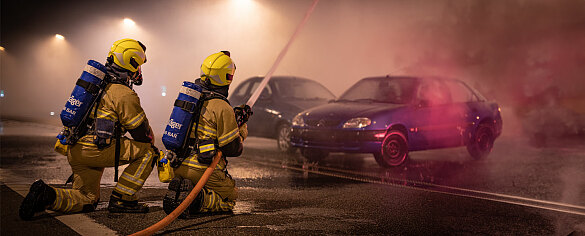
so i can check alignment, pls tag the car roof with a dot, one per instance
(418, 78)
(278, 77)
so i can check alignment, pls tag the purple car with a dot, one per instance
(390, 116)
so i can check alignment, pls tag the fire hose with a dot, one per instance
(173, 215)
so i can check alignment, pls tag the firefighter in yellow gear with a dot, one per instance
(117, 112)
(217, 129)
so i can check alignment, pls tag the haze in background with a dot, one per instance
(511, 50)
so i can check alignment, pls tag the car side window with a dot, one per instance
(266, 93)
(433, 93)
(460, 93)
(242, 90)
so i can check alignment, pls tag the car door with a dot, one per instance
(435, 119)
(467, 102)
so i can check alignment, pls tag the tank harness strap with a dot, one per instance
(91, 88)
(193, 108)
(117, 130)
(186, 105)
(204, 97)
(117, 133)
(94, 90)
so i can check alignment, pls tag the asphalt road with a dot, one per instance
(518, 190)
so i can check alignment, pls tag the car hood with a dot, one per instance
(302, 105)
(347, 110)
(291, 108)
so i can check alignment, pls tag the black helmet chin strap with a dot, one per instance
(223, 90)
(119, 75)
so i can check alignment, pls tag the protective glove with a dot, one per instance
(243, 131)
(243, 113)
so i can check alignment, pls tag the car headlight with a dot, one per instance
(359, 122)
(298, 120)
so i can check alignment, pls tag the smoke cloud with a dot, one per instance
(511, 50)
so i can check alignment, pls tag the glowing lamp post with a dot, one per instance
(59, 37)
(129, 22)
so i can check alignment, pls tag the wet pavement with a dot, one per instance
(518, 189)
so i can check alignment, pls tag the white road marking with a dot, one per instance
(80, 223)
(515, 200)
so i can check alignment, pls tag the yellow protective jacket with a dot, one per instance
(118, 104)
(218, 122)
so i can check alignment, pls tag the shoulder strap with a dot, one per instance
(194, 108)
(213, 95)
(117, 134)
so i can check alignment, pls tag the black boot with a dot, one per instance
(39, 197)
(121, 203)
(179, 189)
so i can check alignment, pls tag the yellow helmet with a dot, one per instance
(218, 69)
(128, 54)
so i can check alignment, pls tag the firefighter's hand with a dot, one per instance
(155, 149)
(243, 113)
(243, 131)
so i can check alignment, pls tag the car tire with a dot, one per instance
(482, 141)
(283, 139)
(313, 154)
(394, 151)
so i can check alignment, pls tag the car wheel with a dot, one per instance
(314, 154)
(283, 139)
(482, 142)
(394, 150)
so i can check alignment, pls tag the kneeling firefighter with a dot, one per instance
(113, 114)
(215, 129)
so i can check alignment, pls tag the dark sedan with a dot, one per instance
(390, 116)
(282, 98)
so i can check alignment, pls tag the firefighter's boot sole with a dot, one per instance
(39, 197)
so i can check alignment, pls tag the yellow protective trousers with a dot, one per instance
(88, 163)
(219, 193)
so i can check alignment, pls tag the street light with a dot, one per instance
(129, 22)
(1, 48)
(243, 2)
(59, 37)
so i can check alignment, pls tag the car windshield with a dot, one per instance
(387, 90)
(303, 89)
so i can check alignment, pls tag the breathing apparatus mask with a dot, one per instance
(136, 78)
(123, 76)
